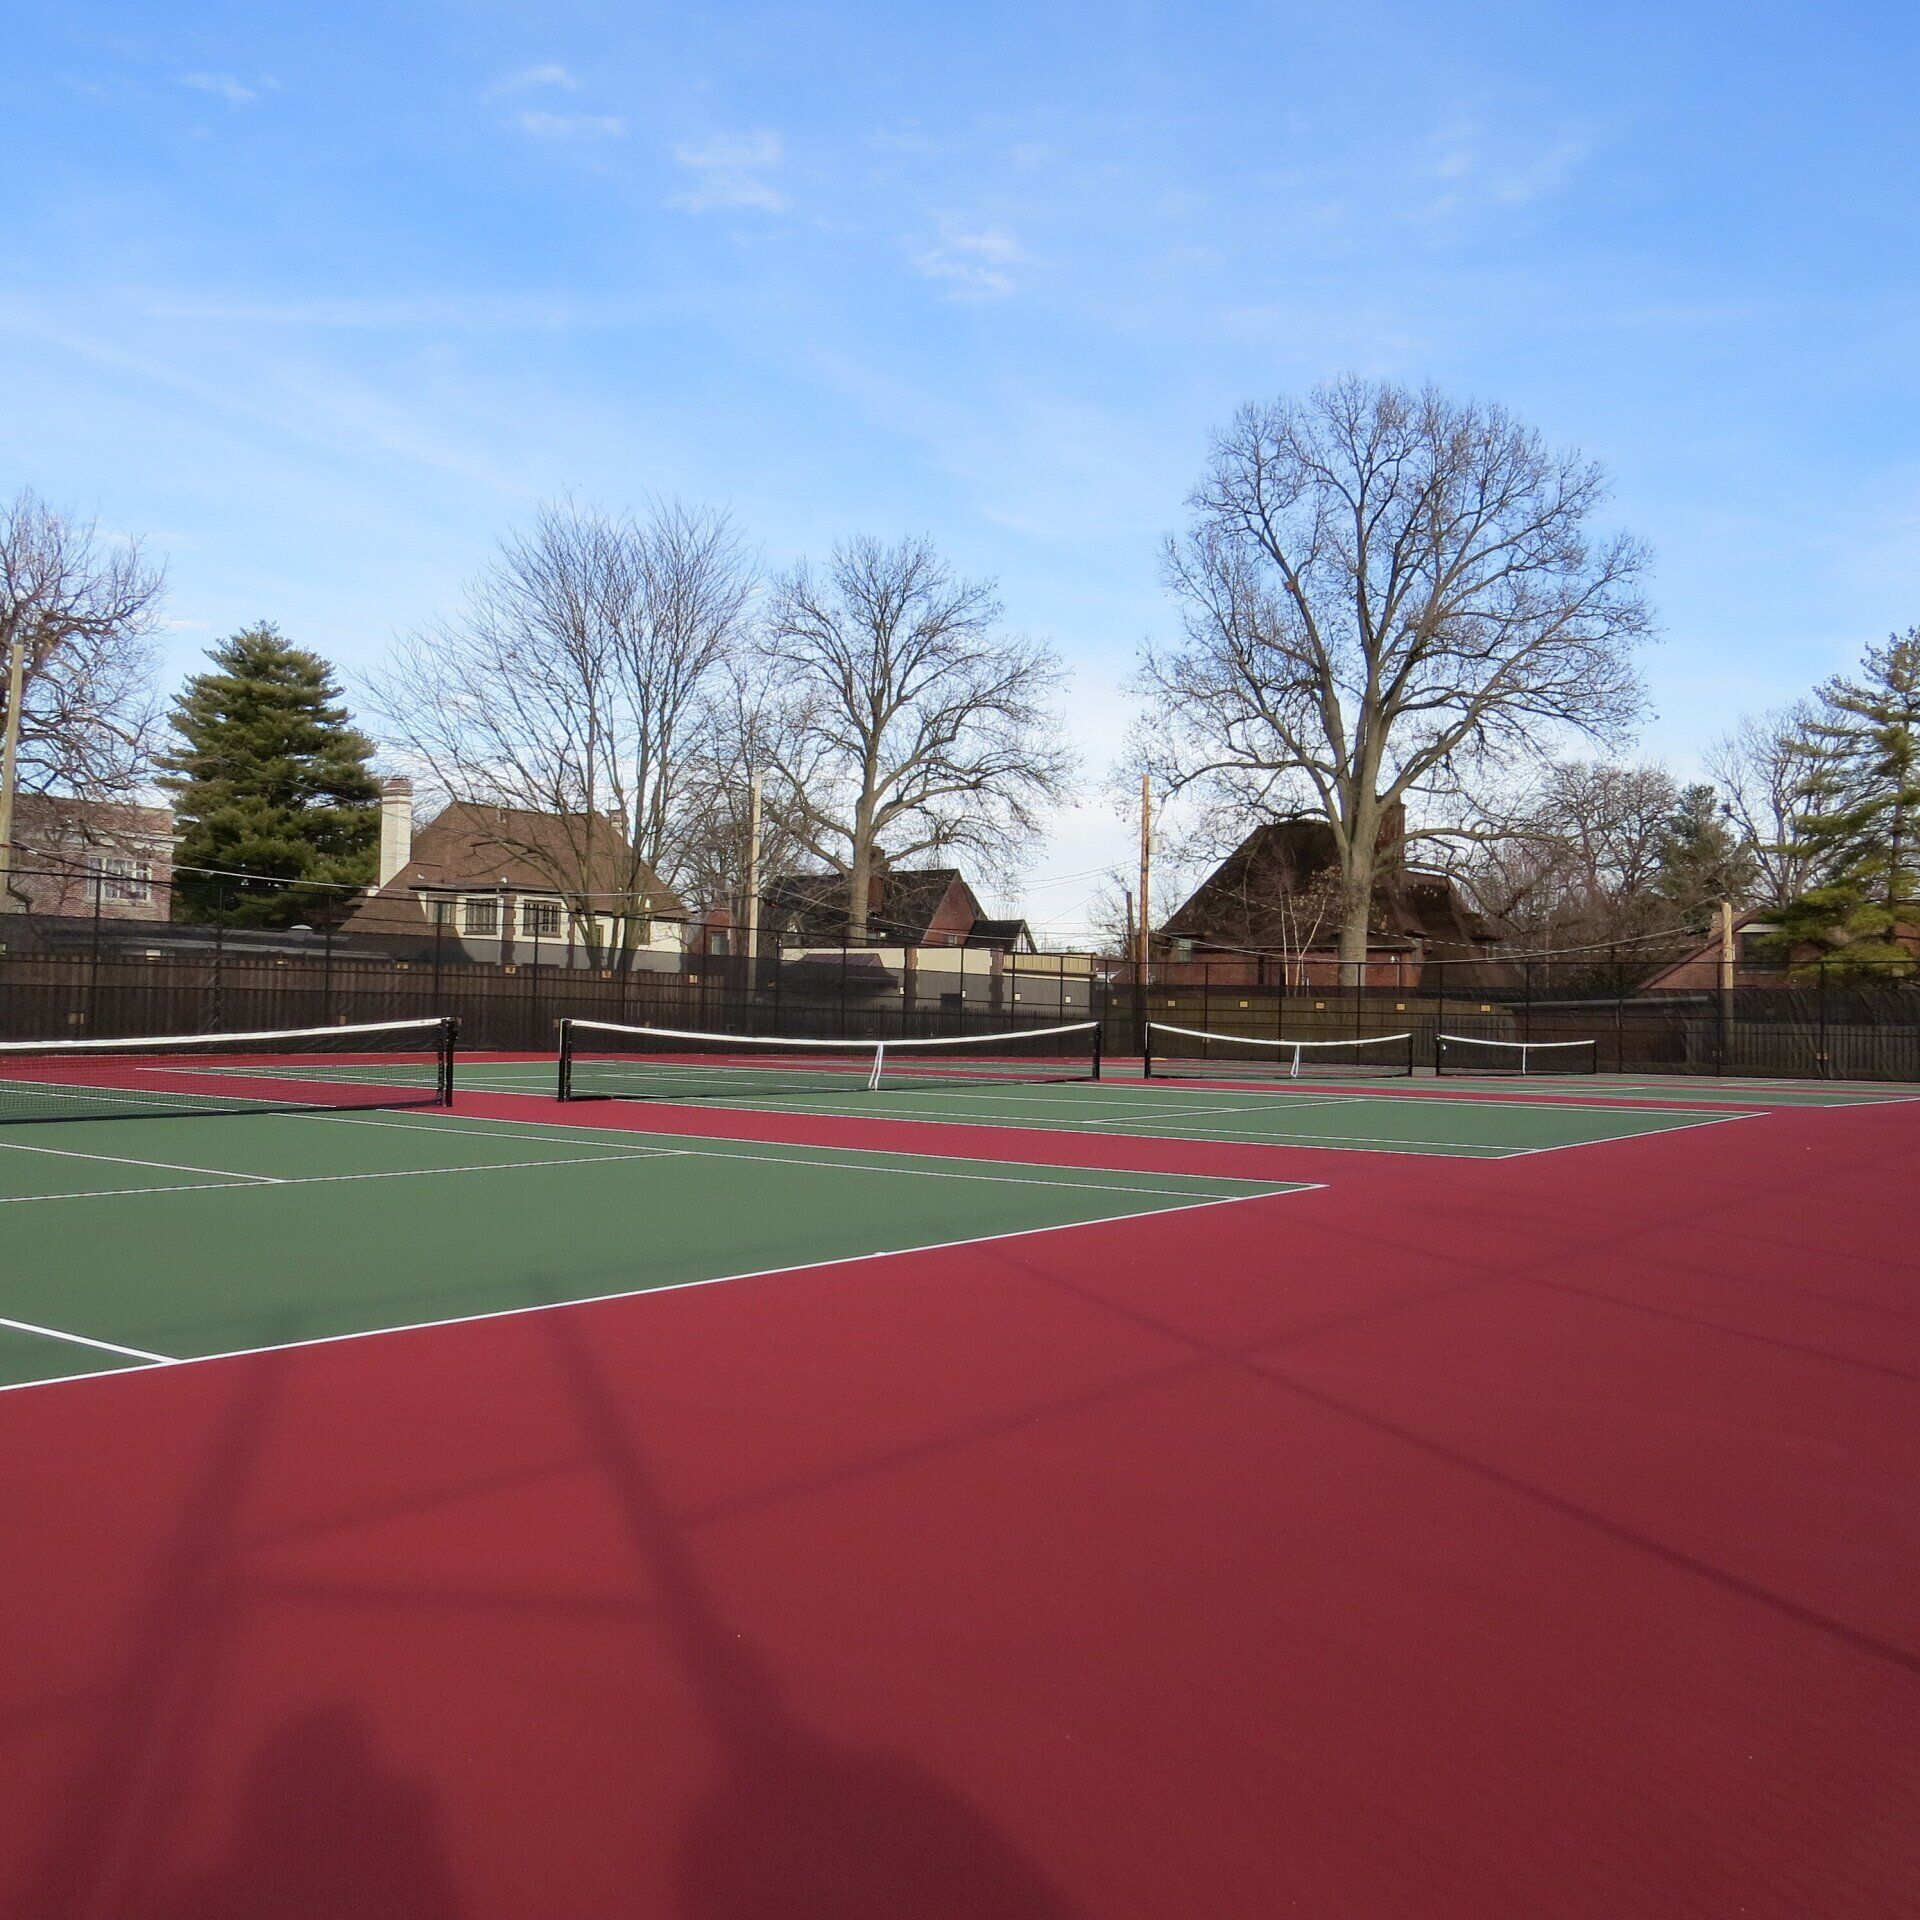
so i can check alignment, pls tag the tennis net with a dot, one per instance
(387, 1063)
(603, 1061)
(1187, 1053)
(1459, 1053)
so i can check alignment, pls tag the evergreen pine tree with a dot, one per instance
(270, 779)
(1701, 859)
(1859, 814)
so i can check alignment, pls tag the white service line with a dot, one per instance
(845, 1160)
(1646, 1133)
(1125, 1129)
(81, 1340)
(127, 1160)
(634, 1293)
(334, 1179)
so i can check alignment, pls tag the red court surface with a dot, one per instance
(1533, 1538)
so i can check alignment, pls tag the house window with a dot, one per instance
(540, 919)
(480, 916)
(126, 882)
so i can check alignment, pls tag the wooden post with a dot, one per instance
(1146, 870)
(753, 886)
(1726, 983)
(10, 763)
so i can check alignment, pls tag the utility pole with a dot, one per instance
(1726, 982)
(10, 763)
(753, 885)
(1146, 870)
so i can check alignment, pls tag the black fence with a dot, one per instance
(1821, 1021)
(106, 976)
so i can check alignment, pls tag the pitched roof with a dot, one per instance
(1278, 891)
(44, 814)
(902, 903)
(472, 847)
(1014, 935)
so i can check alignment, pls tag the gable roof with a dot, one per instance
(1277, 891)
(902, 904)
(472, 847)
(47, 817)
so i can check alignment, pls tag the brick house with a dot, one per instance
(76, 858)
(505, 883)
(1270, 911)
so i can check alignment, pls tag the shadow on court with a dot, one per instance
(325, 1829)
(798, 1825)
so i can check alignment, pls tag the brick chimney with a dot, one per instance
(396, 827)
(1390, 844)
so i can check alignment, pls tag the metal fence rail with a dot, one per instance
(106, 976)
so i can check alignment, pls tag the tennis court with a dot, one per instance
(168, 1240)
(949, 1484)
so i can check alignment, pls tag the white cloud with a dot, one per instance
(973, 264)
(236, 93)
(548, 74)
(728, 173)
(570, 126)
(1473, 171)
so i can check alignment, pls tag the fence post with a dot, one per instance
(1820, 998)
(1619, 1010)
(93, 964)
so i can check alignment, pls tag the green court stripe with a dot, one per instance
(334, 1179)
(626, 1293)
(843, 1159)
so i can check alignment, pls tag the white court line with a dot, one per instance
(673, 1286)
(81, 1340)
(334, 1179)
(845, 1159)
(1645, 1133)
(1129, 1129)
(1150, 1126)
(127, 1160)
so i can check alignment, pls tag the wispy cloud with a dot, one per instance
(730, 172)
(399, 313)
(1472, 169)
(570, 126)
(975, 266)
(224, 86)
(548, 74)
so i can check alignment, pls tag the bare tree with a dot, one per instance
(908, 722)
(574, 686)
(77, 615)
(737, 733)
(1580, 863)
(1385, 596)
(1761, 767)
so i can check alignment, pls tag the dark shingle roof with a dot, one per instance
(813, 906)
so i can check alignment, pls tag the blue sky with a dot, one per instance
(323, 299)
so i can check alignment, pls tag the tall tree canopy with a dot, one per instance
(1857, 823)
(904, 721)
(270, 779)
(1703, 859)
(1385, 595)
(77, 612)
(582, 683)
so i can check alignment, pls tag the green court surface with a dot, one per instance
(1465, 1125)
(1693, 1090)
(133, 1242)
